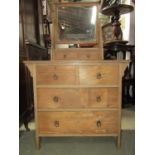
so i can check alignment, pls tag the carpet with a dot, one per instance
(77, 145)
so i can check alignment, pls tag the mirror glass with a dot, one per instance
(76, 23)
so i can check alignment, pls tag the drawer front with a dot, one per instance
(77, 98)
(62, 98)
(104, 98)
(78, 122)
(55, 75)
(97, 75)
(61, 55)
(89, 55)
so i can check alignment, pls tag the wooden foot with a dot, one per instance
(38, 142)
(118, 141)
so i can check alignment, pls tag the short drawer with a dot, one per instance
(89, 55)
(65, 55)
(106, 74)
(55, 75)
(62, 98)
(78, 122)
(104, 98)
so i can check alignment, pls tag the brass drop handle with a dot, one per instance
(56, 99)
(98, 75)
(98, 123)
(56, 123)
(65, 55)
(88, 56)
(55, 77)
(98, 98)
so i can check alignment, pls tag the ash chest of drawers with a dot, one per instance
(77, 93)
(77, 99)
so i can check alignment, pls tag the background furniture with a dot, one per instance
(111, 52)
(115, 10)
(31, 47)
(36, 52)
(26, 108)
(114, 45)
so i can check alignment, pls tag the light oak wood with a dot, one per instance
(78, 55)
(87, 55)
(62, 98)
(77, 93)
(123, 63)
(77, 98)
(33, 73)
(79, 109)
(71, 122)
(66, 55)
(78, 135)
(81, 99)
(47, 75)
(77, 85)
(38, 139)
(96, 75)
(103, 98)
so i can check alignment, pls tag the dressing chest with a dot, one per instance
(77, 93)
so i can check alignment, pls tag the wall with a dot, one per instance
(132, 27)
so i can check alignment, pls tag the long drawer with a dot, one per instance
(98, 74)
(78, 122)
(77, 98)
(55, 75)
(80, 55)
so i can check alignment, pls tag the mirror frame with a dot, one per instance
(74, 4)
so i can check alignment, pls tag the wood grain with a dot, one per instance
(103, 98)
(53, 75)
(96, 75)
(62, 98)
(78, 122)
(66, 55)
(78, 54)
(82, 99)
(87, 55)
(77, 98)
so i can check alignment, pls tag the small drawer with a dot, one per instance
(55, 75)
(78, 122)
(89, 55)
(62, 98)
(99, 74)
(103, 98)
(65, 55)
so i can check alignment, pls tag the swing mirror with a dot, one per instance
(76, 24)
